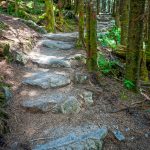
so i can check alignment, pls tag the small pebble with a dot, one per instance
(119, 135)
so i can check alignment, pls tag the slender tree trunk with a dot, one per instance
(76, 7)
(91, 38)
(148, 40)
(114, 8)
(124, 19)
(133, 57)
(144, 71)
(81, 22)
(16, 7)
(98, 7)
(109, 6)
(60, 14)
(117, 13)
(50, 16)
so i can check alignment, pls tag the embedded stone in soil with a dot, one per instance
(56, 103)
(92, 140)
(51, 61)
(56, 45)
(45, 79)
(66, 37)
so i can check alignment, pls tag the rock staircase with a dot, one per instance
(58, 74)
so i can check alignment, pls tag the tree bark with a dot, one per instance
(81, 22)
(50, 16)
(91, 36)
(134, 48)
(124, 19)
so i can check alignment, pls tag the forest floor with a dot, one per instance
(111, 101)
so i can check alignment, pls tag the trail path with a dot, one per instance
(54, 93)
(55, 105)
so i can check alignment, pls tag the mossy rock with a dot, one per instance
(3, 26)
(34, 26)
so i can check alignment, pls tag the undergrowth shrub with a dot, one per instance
(107, 66)
(111, 38)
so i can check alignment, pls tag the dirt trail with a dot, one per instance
(54, 96)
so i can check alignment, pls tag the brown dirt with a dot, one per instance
(26, 126)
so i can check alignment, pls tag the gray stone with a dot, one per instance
(80, 78)
(34, 26)
(48, 61)
(57, 45)
(88, 141)
(20, 57)
(71, 105)
(8, 94)
(78, 57)
(45, 103)
(47, 80)
(119, 135)
(56, 103)
(66, 37)
(88, 98)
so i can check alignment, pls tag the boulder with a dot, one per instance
(56, 45)
(8, 94)
(80, 78)
(66, 37)
(86, 141)
(47, 80)
(34, 26)
(20, 57)
(45, 103)
(56, 103)
(48, 61)
(88, 98)
(70, 106)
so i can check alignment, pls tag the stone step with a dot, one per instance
(59, 102)
(56, 45)
(56, 59)
(66, 37)
(85, 141)
(51, 61)
(46, 79)
(55, 103)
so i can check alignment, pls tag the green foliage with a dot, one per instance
(106, 66)
(28, 9)
(111, 38)
(129, 84)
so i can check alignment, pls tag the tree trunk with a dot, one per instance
(148, 40)
(60, 14)
(124, 19)
(98, 7)
(91, 36)
(16, 7)
(134, 48)
(81, 22)
(117, 13)
(50, 16)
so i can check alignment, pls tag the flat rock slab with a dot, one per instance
(47, 80)
(56, 103)
(51, 61)
(86, 141)
(56, 45)
(66, 37)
